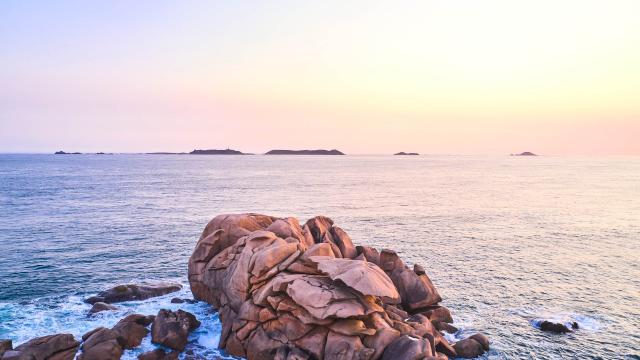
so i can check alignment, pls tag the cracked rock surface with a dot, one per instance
(290, 291)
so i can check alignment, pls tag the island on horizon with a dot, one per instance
(526, 153)
(406, 153)
(66, 153)
(305, 152)
(217, 152)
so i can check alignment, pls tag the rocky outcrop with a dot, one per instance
(288, 291)
(52, 347)
(132, 329)
(131, 292)
(407, 153)
(217, 152)
(172, 329)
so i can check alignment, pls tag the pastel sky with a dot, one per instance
(454, 77)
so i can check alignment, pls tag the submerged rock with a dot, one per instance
(100, 306)
(557, 327)
(285, 291)
(132, 292)
(172, 329)
(51, 347)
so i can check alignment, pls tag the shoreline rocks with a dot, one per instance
(290, 291)
(131, 292)
(51, 347)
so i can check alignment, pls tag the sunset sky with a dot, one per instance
(440, 77)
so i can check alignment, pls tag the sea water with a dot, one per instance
(508, 241)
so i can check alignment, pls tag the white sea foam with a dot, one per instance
(44, 316)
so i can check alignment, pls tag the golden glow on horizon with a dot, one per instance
(463, 76)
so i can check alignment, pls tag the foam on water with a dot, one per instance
(69, 314)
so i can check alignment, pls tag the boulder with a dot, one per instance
(469, 348)
(100, 344)
(100, 306)
(408, 348)
(288, 292)
(131, 292)
(51, 347)
(556, 327)
(132, 329)
(177, 301)
(172, 329)
(158, 354)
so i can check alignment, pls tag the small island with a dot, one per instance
(526, 153)
(217, 152)
(66, 153)
(406, 153)
(305, 152)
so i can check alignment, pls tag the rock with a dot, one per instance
(158, 354)
(171, 329)
(5, 344)
(483, 340)
(469, 348)
(283, 291)
(365, 277)
(443, 326)
(554, 327)
(132, 292)
(437, 313)
(132, 329)
(177, 301)
(100, 344)
(406, 153)
(100, 306)
(51, 347)
(408, 348)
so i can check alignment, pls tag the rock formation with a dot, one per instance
(131, 292)
(217, 152)
(100, 306)
(172, 329)
(51, 347)
(407, 153)
(287, 291)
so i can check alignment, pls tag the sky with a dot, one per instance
(365, 77)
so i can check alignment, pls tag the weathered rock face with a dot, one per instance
(52, 347)
(158, 354)
(100, 344)
(5, 344)
(132, 292)
(288, 291)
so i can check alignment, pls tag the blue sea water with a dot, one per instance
(507, 240)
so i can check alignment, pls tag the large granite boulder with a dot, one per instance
(51, 347)
(286, 291)
(131, 292)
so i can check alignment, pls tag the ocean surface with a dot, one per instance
(507, 240)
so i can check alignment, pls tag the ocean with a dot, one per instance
(506, 240)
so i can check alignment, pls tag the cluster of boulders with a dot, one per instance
(286, 291)
(169, 329)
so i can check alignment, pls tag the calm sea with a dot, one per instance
(507, 240)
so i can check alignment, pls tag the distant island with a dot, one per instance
(526, 153)
(217, 152)
(405, 153)
(66, 153)
(305, 152)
